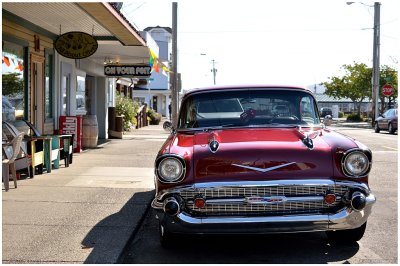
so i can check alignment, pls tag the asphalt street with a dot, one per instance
(379, 244)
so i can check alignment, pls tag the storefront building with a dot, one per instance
(156, 92)
(40, 84)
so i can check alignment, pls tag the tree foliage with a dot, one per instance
(355, 84)
(128, 109)
(12, 84)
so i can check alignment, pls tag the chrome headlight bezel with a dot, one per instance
(350, 154)
(180, 163)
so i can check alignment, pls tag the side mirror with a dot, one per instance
(167, 126)
(328, 120)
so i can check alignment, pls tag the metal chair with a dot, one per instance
(28, 150)
(9, 163)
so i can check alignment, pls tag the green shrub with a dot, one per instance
(354, 117)
(341, 114)
(153, 117)
(128, 109)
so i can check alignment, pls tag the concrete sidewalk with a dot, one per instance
(341, 122)
(85, 213)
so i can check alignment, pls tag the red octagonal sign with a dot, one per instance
(387, 90)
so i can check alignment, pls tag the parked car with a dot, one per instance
(387, 121)
(256, 172)
(8, 110)
(326, 111)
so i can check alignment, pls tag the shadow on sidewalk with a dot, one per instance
(109, 237)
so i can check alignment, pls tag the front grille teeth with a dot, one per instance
(239, 206)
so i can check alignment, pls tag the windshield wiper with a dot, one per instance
(232, 125)
(282, 125)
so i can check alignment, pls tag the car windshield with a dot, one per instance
(248, 108)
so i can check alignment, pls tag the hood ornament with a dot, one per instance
(308, 142)
(264, 170)
(307, 139)
(213, 145)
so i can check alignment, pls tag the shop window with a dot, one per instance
(48, 89)
(13, 83)
(65, 80)
(140, 100)
(80, 96)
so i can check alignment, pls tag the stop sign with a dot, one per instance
(387, 90)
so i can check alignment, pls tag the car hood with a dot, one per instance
(261, 154)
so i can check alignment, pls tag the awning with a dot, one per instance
(96, 18)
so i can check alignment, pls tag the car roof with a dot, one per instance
(243, 87)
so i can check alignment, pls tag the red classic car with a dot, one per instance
(256, 159)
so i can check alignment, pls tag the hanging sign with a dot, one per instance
(76, 45)
(141, 71)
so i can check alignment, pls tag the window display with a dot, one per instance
(12, 81)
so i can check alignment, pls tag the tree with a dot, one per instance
(356, 84)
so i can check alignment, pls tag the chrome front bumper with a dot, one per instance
(345, 218)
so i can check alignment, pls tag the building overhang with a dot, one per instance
(112, 21)
(118, 40)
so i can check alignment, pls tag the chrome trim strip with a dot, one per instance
(263, 170)
(225, 201)
(244, 200)
(239, 220)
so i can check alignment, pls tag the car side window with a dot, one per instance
(307, 110)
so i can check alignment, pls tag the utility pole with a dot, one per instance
(174, 89)
(375, 63)
(214, 70)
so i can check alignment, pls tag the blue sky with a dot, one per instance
(271, 42)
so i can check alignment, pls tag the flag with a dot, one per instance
(156, 67)
(6, 61)
(156, 64)
(152, 58)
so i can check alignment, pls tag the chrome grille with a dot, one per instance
(228, 192)
(280, 208)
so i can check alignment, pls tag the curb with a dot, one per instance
(366, 126)
(128, 243)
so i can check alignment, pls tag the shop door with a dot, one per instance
(37, 91)
(155, 103)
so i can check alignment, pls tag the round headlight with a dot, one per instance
(170, 169)
(356, 164)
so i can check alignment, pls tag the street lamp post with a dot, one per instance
(214, 70)
(174, 91)
(375, 62)
(375, 59)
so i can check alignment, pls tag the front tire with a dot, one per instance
(391, 128)
(376, 127)
(347, 236)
